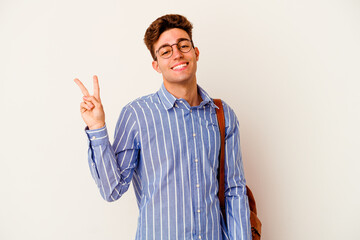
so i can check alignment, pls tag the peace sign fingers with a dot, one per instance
(85, 91)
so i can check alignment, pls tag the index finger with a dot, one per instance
(82, 87)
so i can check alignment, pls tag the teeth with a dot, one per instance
(180, 66)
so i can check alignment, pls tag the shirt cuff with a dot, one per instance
(97, 136)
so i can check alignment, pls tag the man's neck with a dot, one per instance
(187, 91)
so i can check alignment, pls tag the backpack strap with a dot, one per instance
(221, 171)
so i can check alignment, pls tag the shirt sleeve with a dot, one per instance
(236, 200)
(112, 166)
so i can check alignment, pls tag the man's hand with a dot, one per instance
(91, 108)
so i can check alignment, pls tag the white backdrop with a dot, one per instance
(289, 69)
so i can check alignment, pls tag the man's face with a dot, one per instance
(180, 68)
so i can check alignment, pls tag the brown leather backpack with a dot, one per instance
(254, 220)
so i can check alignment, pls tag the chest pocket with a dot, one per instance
(210, 142)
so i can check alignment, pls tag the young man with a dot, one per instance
(168, 144)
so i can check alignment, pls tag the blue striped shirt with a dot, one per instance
(170, 151)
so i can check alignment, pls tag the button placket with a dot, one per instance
(196, 147)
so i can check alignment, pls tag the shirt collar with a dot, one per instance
(169, 100)
(166, 98)
(206, 98)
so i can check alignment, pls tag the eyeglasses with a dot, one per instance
(183, 45)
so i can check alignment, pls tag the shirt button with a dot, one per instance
(181, 101)
(176, 105)
(196, 160)
(92, 164)
(198, 210)
(194, 135)
(199, 237)
(190, 110)
(93, 138)
(197, 185)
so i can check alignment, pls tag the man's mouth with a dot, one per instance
(180, 66)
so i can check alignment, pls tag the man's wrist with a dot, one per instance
(96, 126)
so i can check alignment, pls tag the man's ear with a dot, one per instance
(197, 53)
(155, 66)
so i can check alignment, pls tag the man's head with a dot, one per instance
(170, 42)
(162, 24)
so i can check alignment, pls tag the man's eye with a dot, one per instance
(184, 47)
(164, 53)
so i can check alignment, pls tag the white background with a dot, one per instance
(289, 69)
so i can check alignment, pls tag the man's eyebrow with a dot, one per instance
(177, 41)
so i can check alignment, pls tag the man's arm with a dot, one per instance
(111, 166)
(236, 200)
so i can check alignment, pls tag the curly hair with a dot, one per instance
(162, 24)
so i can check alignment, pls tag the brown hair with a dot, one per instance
(162, 24)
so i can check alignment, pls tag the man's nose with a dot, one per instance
(176, 52)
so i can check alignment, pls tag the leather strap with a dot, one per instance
(221, 174)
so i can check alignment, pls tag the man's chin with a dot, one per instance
(179, 81)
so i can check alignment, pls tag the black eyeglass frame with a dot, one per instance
(171, 46)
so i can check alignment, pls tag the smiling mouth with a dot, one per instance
(180, 66)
